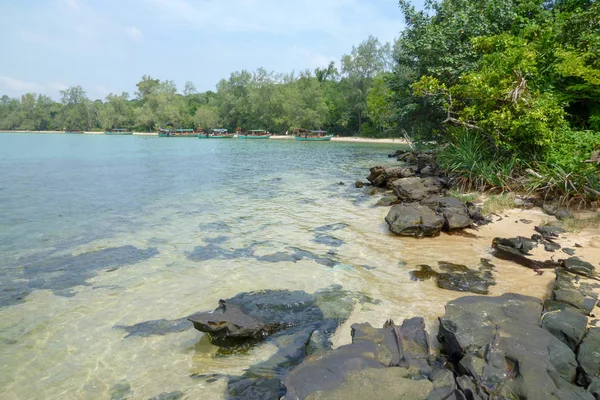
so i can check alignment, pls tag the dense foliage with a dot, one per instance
(322, 99)
(513, 88)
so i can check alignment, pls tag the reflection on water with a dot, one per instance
(193, 221)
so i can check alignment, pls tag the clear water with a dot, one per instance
(98, 231)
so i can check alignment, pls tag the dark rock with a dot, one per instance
(550, 246)
(568, 325)
(594, 388)
(341, 183)
(562, 214)
(497, 345)
(568, 251)
(176, 395)
(588, 356)
(548, 231)
(359, 184)
(388, 200)
(327, 240)
(331, 227)
(377, 176)
(121, 391)
(423, 272)
(509, 253)
(382, 177)
(566, 291)
(255, 389)
(416, 189)
(455, 212)
(158, 327)
(526, 221)
(476, 215)
(463, 279)
(414, 220)
(520, 243)
(217, 240)
(212, 251)
(579, 267)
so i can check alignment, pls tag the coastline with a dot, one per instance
(348, 139)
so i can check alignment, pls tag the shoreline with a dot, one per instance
(348, 139)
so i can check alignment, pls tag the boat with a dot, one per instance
(177, 133)
(255, 134)
(215, 134)
(122, 132)
(312, 136)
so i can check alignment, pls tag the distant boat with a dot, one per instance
(313, 136)
(215, 134)
(122, 132)
(255, 134)
(177, 133)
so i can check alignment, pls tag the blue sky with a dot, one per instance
(107, 45)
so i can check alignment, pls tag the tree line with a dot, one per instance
(326, 98)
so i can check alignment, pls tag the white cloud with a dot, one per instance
(134, 33)
(10, 84)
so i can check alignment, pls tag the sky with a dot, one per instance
(106, 46)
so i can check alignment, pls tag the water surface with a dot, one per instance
(101, 231)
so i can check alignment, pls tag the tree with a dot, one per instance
(116, 113)
(75, 111)
(189, 89)
(207, 117)
(146, 87)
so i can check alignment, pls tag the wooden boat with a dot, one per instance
(215, 134)
(118, 132)
(312, 136)
(255, 134)
(177, 133)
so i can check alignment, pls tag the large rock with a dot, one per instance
(588, 356)
(515, 250)
(567, 324)
(416, 189)
(579, 267)
(497, 346)
(463, 279)
(382, 176)
(414, 220)
(455, 212)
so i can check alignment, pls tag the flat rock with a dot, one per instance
(568, 325)
(463, 279)
(588, 356)
(579, 267)
(414, 220)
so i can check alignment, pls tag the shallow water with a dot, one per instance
(102, 231)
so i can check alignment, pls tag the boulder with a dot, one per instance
(588, 356)
(416, 189)
(455, 212)
(549, 231)
(516, 255)
(382, 176)
(567, 290)
(579, 267)
(414, 220)
(568, 325)
(499, 349)
(388, 200)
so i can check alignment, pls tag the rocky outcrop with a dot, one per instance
(455, 212)
(383, 177)
(416, 188)
(414, 220)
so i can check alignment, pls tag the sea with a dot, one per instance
(100, 233)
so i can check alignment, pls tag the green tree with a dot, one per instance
(207, 117)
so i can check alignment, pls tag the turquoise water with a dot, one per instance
(100, 231)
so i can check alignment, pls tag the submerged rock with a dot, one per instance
(157, 327)
(176, 395)
(414, 220)
(463, 279)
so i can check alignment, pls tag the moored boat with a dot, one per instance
(119, 131)
(215, 134)
(255, 134)
(313, 136)
(177, 133)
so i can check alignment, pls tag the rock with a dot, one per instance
(463, 279)
(562, 214)
(476, 214)
(372, 383)
(359, 184)
(579, 267)
(510, 253)
(551, 246)
(548, 231)
(524, 202)
(381, 176)
(231, 322)
(157, 327)
(568, 325)
(388, 200)
(570, 252)
(455, 212)
(255, 389)
(416, 189)
(423, 272)
(497, 345)
(588, 356)
(520, 243)
(594, 388)
(414, 220)
(176, 395)
(566, 291)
